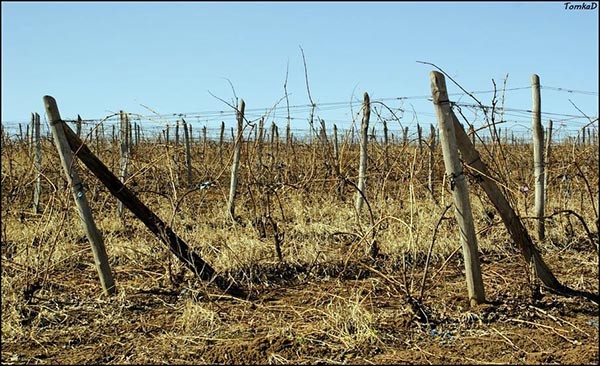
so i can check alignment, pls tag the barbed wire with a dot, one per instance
(516, 116)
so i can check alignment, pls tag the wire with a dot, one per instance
(569, 90)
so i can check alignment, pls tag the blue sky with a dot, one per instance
(97, 58)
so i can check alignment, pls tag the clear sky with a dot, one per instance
(97, 58)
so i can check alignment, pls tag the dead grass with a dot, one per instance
(326, 302)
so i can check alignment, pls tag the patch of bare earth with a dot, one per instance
(326, 316)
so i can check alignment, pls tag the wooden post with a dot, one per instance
(336, 152)
(79, 122)
(221, 142)
(83, 208)
(362, 169)
(420, 137)
(124, 163)
(176, 148)
(538, 156)
(30, 129)
(432, 144)
(188, 155)
(548, 151)
(38, 164)
(386, 161)
(204, 141)
(274, 144)
(259, 141)
(405, 136)
(458, 185)
(236, 159)
(288, 135)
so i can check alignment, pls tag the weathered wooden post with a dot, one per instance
(538, 156)
(176, 148)
(259, 141)
(83, 208)
(432, 144)
(188, 154)
(420, 137)
(362, 169)
(38, 164)
(221, 142)
(125, 153)
(336, 151)
(386, 161)
(236, 159)
(30, 127)
(274, 144)
(547, 152)
(458, 185)
(79, 122)
(405, 136)
(288, 135)
(204, 141)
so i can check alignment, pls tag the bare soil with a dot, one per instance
(293, 317)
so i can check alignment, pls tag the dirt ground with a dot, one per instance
(360, 315)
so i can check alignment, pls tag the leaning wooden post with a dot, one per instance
(362, 169)
(85, 213)
(38, 164)
(458, 185)
(188, 157)
(538, 156)
(236, 160)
